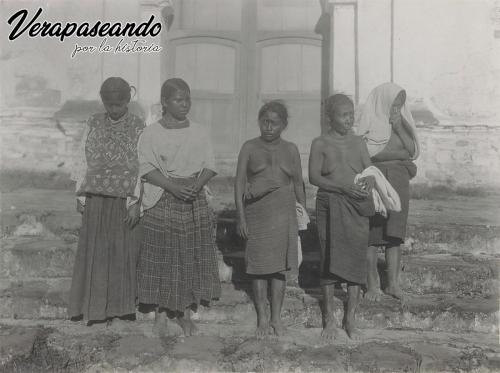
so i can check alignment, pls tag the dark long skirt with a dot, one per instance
(104, 283)
(343, 227)
(392, 230)
(177, 263)
(272, 233)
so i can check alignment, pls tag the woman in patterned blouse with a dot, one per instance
(104, 286)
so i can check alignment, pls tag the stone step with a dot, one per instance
(54, 208)
(436, 237)
(444, 273)
(35, 298)
(433, 273)
(47, 299)
(22, 257)
(225, 347)
(426, 312)
(421, 238)
(465, 275)
(428, 232)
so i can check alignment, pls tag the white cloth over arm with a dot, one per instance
(385, 196)
(302, 221)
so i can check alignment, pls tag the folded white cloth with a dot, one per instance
(299, 251)
(302, 220)
(302, 217)
(384, 196)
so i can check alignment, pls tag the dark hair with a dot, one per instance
(333, 101)
(275, 106)
(114, 85)
(169, 87)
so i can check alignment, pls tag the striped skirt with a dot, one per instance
(104, 283)
(177, 264)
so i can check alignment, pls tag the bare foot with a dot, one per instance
(262, 330)
(119, 325)
(351, 330)
(160, 326)
(396, 292)
(187, 325)
(330, 331)
(373, 295)
(279, 329)
(194, 328)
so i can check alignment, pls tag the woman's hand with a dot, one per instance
(196, 187)
(241, 228)
(79, 206)
(184, 193)
(395, 119)
(367, 183)
(355, 191)
(133, 215)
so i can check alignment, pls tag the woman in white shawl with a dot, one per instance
(388, 128)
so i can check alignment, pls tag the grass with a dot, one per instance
(441, 192)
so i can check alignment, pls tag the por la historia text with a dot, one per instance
(134, 46)
(68, 29)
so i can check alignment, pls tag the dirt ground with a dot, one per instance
(450, 324)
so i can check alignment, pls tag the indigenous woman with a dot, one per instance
(177, 266)
(343, 208)
(104, 285)
(268, 185)
(388, 128)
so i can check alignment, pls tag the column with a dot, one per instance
(150, 73)
(344, 49)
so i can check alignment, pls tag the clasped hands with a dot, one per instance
(186, 193)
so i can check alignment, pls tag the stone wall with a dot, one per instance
(457, 156)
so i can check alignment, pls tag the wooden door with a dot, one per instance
(237, 54)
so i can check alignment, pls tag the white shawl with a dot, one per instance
(374, 123)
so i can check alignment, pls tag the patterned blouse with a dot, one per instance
(109, 166)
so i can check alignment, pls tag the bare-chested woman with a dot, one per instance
(268, 184)
(342, 209)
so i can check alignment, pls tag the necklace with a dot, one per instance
(169, 122)
(119, 124)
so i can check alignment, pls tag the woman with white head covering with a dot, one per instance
(389, 130)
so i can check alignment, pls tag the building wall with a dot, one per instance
(446, 52)
(45, 65)
(443, 52)
(456, 156)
